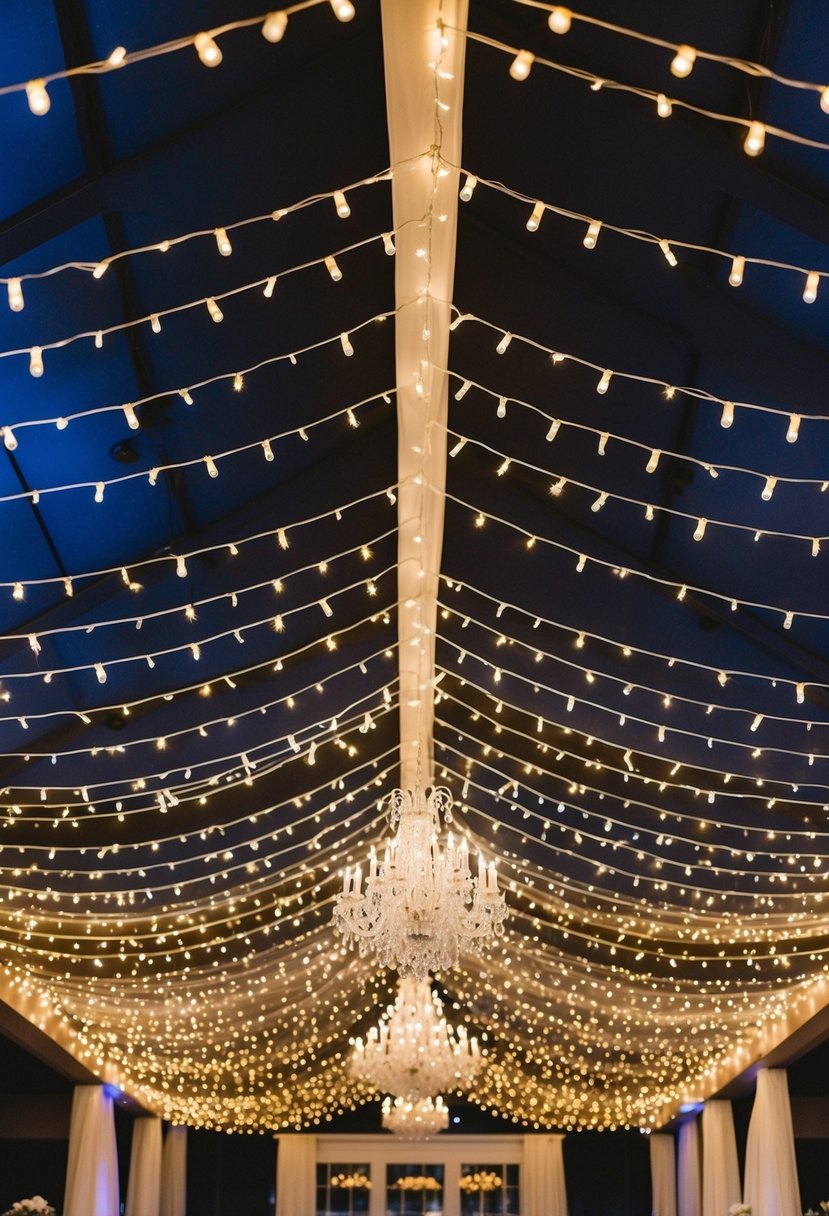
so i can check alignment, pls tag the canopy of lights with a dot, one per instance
(414, 395)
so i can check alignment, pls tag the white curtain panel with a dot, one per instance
(663, 1176)
(771, 1187)
(174, 1173)
(720, 1169)
(144, 1186)
(92, 1168)
(689, 1190)
(296, 1176)
(543, 1191)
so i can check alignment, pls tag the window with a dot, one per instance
(489, 1190)
(414, 1190)
(343, 1190)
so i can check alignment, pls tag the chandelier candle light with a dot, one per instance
(413, 1052)
(421, 905)
(416, 1121)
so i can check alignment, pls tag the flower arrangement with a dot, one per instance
(739, 1209)
(418, 1182)
(486, 1180)
(351, 1182)
(36, 1206)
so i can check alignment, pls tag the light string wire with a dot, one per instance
(723, 674)
(120, 57)
(267, 283)
(170, 737)
(275, 621)
(550, 822)
(638, 234)
(712, 467)
(176, 558)
(597, 83)
(747, 66)
(539, 653)
(670, 390)
(603, 496)
(630, 775)
(257, 667)
(185, 609)
(125, 925)
(185, 767)
(605, 842)
(205, 833)
(682, 589)
(99, 267)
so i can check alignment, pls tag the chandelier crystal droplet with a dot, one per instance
(420, 907)
(413, 1053)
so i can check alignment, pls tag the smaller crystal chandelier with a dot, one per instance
(421, 905)
(415, 1120)
(413, 1052)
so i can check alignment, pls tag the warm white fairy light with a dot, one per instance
(755, 140)
(683, 61)
(522, 65)
(38, 97)
(207, 50)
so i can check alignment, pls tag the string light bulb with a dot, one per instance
(521, 65)
(9, 439)
(535, 218)
(811, 286)
(341, 203)
(592, 234)
(604, 382)
(560, 19)
(663, 106)
(727, 417)
(793, 429)
(274, 26)
(343, 9)
(15, 291)
(207, 50)
(683, 61)
(738, 265)
(755, 140)
(36, 362)
(37, 97)
(223, 242)
(216, 313)
(468, 188)
(333, 269)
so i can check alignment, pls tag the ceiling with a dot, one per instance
(198, 576)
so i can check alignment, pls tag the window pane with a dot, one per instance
(414, 1190)
(343, 1190)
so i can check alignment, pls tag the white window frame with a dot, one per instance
(378, 1151)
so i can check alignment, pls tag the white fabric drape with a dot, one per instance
(663, 1176)
(543, 1190)
(174, 1173)
(144, 1185)
(771, 1187)
(720, 1169)
(92, 1167)
(411, 46)
(689, 1191)
(296, 1176)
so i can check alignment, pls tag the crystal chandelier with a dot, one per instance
(415, 1120)
(421, 905)
(413, 1052)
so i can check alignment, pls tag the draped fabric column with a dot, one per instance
(663, 1176)
(296, 1176)
(771, 1187)
(174, 1173)
(543, 1191)
(92, 1168)
(689, 1192)
(144, 1186)
(720, 1169)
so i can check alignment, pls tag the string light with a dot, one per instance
(522, 65)
(208, 50)
(38, 97)
(683, 61)
(755, 140)
(274, 26)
